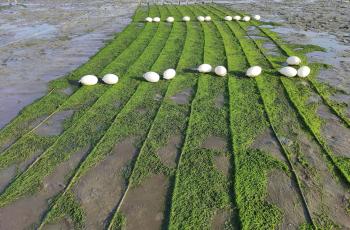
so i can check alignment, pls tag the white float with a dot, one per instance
(237, 17)
(246, 18)
(200, 18)
(186, 19)
(293, 60)
(170, 19)
(156, 19)
(304, 71)
(288, 71)
(110, 79)
(228, 18)
(257, 17)
(205, 68)
(88, 80)
(254, 71)
(151, 76)
(207, 18)
(220, 71)
(169, 74)
(149, 19)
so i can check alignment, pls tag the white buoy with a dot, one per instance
(304, 71)
(110, 79)
(293, 60)
(288, 71)
(151, 76)
(220, 71)
(254, 71)
(149, 19)
(88, 80)
(200, 18)
(237, 17)
(246, 18)
(169, 74)
(205, 68)
(228, 18)
(186, 19)
(156, 19)
(257, 17)
(170, 19)
(207, 18)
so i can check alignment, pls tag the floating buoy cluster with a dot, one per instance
(290, 71)
(207, 68)
(109, 79)
(245, 18)
(154, 77)
(254, 71)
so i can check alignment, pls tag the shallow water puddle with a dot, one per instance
(282, 191)
(144, 205)
(168, 153)
(101, 187)
(271, 48)
(54, 125)
(215, 143)
(7, 174)
(28, 210)
(267, 142)
(183, 97)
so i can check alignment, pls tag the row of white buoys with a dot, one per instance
(254, 71)
(109, 79)
(238, 18)
(186, 19)
(204, 18)
(289, 71)
(154, 77)
(206, 68)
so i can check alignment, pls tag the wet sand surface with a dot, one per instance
(99, 190)
(28, 210)
(43, 40)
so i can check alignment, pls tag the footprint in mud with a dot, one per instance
(54, 125)
(183, 97)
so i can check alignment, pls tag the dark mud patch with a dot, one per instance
(268, 143)
(7, 174)
(220, 219)
(68, 91)
(144, 205)
(222, 163)
(54, 125)
(61, 225)
(336, 134)
(183, 97)
(220, 101)
(215, 143)
(282, 191)
(100, 188)
(168, 154)
(141, 110)
(27, 211)
(158, 97)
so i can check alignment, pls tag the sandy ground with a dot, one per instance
(43, 40)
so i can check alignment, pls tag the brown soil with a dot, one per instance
(144, 205)
(99, 190)
(28, 210)
(169, 152)
(220, 219)
(222, 163)
(220, 101)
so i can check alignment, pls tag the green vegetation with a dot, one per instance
(235, 111)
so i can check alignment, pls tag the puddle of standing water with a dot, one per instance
(54, 125)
